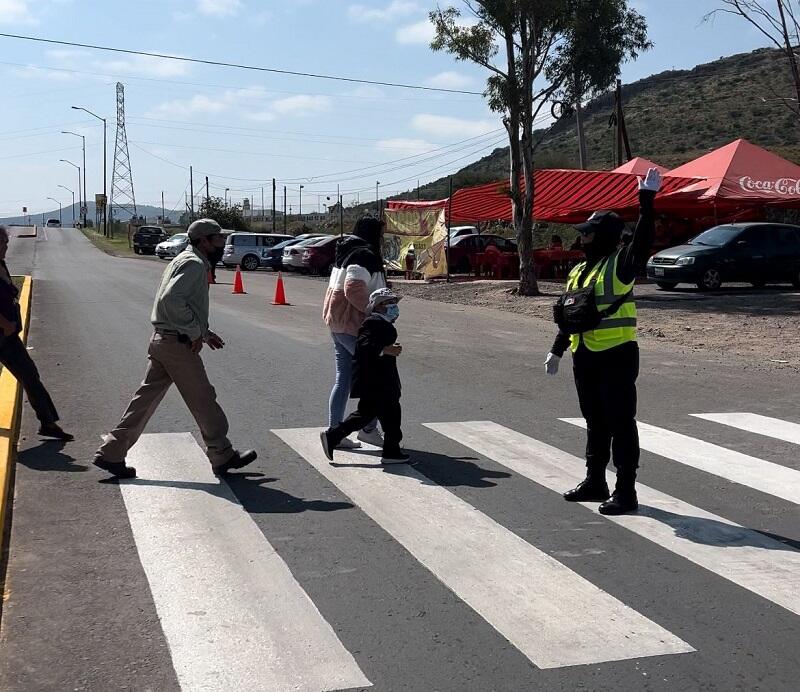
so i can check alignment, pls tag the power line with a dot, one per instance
(254, 68)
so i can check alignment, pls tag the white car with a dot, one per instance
(53, 223)
(458, 231)
(292, 259)
(172, 247)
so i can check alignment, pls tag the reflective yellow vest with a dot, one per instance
(616, 329)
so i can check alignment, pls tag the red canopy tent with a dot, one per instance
(562, 196)
(738, 180)
(639, 166)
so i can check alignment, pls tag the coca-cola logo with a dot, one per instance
(781, 186)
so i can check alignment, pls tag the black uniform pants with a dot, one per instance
(388, 412)
(606, 384)
(15, 357)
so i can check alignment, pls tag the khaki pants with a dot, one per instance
(171, 361)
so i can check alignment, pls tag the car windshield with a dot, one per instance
(717, 236)
(179, 236)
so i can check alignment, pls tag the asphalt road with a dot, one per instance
(464, 572)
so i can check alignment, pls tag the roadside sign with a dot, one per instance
(100, 201)
(24, 210)
(83, 210)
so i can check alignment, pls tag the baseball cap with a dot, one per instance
(602, 222)
(381, 296)
(202, 228)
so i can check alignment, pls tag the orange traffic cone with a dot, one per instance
(211, 279)
(237, 282)
(280, 295)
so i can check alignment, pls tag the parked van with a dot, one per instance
(246, 249)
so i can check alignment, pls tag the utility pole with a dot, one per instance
(622, 131)
(300, 207)
(377, 199)
(273, 205)
(263, 210)
(341, 214)
(208, 195)
(284, 208)
(191, 194)
(163, 213)
(418, 191)
(582, 157)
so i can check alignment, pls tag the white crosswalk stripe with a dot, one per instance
(755, 423)
(744, 469)
(233, 615)
(745, 557)
(551, 614)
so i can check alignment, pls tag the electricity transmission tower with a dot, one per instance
(122, 197)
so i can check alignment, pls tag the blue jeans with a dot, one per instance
(344, 348)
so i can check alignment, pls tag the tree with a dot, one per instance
(553, 50)
(227, 216)
(780, 25)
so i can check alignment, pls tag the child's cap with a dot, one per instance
(381, 296)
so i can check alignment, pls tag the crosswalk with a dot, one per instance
(253, 633)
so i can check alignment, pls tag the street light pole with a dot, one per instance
(227, 189)
(84, 207)
(73, 202)
(105, 162)
(300, 208)
(377, 198)
(74, 165)
(59, 207)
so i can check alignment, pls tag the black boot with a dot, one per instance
(624, 499)
(592, 489)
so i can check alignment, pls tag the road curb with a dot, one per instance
(10, 397)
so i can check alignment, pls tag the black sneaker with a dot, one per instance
(238, 461)
(327, 444)
(116, 468)
(55, 431)
(396, 457)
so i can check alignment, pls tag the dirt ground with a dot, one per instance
(760, 327)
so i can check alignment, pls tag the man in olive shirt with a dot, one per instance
(180, 321)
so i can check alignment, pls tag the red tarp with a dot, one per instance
(562, 196)
(639, 166)
(738, 177)
(403, 204)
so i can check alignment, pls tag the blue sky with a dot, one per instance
(244, 128)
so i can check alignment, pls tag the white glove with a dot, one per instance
(551, 364)
(652, 181)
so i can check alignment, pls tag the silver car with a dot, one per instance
(245, 249)
(172, 247)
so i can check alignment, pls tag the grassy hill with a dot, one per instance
(672, 117)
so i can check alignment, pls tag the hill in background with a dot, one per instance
(672, 117)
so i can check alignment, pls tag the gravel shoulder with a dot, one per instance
(759, 327)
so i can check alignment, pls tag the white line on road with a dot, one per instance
(761, 425)
(755, 473)
(745, 557)
(551, 614)
(233, 615)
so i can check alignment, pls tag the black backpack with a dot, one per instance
(576, 311)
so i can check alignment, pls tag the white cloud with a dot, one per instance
(147, 66)
(15, 12)
(405, 145)
(450, 80)
(394, 10)
(445, 126)
(219, 8)
(201, 104)
(261, 116)
(421, 32)
(302, 104)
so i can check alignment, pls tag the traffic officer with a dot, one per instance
(180, 325)
(606, 358)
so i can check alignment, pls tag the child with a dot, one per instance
(376, 383)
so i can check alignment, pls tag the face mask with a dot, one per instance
(392, 312)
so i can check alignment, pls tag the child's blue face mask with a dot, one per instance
(392, 312)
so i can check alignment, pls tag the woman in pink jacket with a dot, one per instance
(357, 272)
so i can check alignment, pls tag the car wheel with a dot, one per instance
(711, 280)
(666, 285)
(250, 263)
